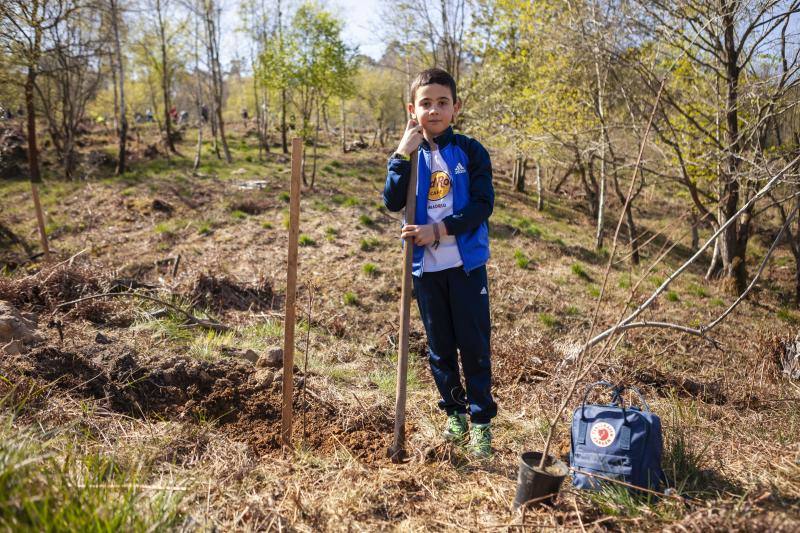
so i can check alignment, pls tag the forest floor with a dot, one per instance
(121, 414)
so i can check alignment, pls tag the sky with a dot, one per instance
(360, 17)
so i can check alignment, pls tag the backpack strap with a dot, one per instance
(625, 436)
(582, 426)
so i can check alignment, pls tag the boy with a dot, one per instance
(451, 246)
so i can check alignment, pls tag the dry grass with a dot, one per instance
(731, 420)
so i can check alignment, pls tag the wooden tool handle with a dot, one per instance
(397, 450)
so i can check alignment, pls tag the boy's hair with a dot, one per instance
(431, 76)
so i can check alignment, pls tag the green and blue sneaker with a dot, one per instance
(456, 428)
(480, 441)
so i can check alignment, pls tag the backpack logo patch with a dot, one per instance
(603, 434)
(460, 169)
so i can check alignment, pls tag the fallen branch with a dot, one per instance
(193, 320)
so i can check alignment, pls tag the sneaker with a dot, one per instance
(456, 428)
(480, 441)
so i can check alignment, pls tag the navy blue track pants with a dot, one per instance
(454, 307)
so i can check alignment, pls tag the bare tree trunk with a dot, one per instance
(343, 130)
(112, 64)
(733, 242)
(123, 118)
(539, 188)
(165, 76)
(316, 141)
(33, 150)
(198, 96)
(601, 199)
(212, 34)
(215, 133)
(283, 122)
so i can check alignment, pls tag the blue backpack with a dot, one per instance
(612, 441)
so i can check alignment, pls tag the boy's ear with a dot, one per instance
(410, 107)
(457, 107)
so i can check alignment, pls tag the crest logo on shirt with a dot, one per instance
(440, 185)
(603, 434)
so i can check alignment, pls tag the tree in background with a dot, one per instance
(312, 59)
(724, 98)
(211, 17)
(70, 75)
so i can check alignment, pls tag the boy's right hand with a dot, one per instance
(412, 138)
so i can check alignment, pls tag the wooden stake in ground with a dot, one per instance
(397, 451)
(291, 295)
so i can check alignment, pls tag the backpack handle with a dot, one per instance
(616, 394)
(618, 390)
(615, 397)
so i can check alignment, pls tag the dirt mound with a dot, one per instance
(52, 286)
(221, 293)
(251, 206)
(224, 391)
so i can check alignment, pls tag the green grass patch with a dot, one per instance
(572, 311)
(237, 214)
(346, 201)
(305, 240)
(386, 380)
(548, 320)
(579, 271)
(284, 196)
(164, 228)
(350, 298)
(528, 228)
(368, 244)
(47, 484)
(698, 290)
(521, 259)
(205, 227)
(370, 269)
(672, 296)
(786, 315)
(366, 220)
(267, 224)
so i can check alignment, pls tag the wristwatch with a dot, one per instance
(398, 155)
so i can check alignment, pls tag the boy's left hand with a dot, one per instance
(421, 235)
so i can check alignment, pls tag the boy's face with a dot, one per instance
(433, 108)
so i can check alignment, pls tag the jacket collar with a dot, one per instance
(441, 141)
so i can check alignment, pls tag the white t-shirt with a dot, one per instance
(440, 205)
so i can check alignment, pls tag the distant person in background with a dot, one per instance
(173, 114)
(149, 115)
(204, 113)
(184, 117)
(245, 116)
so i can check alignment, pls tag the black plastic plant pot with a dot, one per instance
(538, 487)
